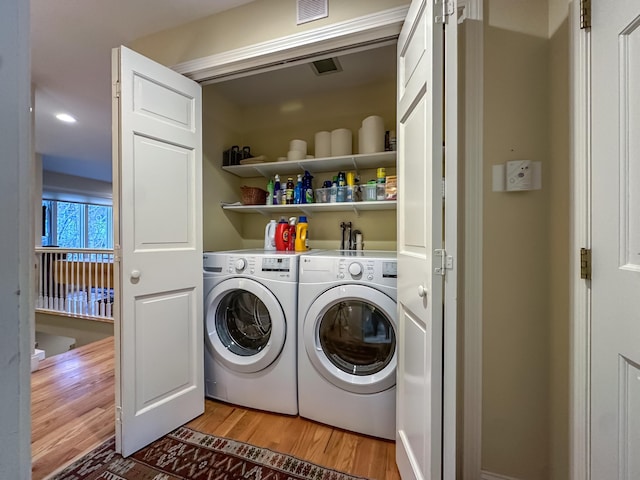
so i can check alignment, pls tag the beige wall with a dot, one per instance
(221, 230)
(526, 243)
(559, 236)
(256, 22)
(515, 313)
(268, 131)
(83, 330)
(515, 416)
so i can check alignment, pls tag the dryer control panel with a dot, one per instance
(346, 270)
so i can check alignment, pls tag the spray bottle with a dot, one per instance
(291, 242)
(277, 194)
(297, 192)
(307, 188)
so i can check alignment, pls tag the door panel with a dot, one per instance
(416, 395)
(420, 232)
(158, 238)
(160, 102)
(615, 322)
(162, 375)
(163, 220)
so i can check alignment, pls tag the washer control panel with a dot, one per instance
(248, 263)
(284, 268)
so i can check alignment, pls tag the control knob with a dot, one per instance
(241, 264)
(355, 269)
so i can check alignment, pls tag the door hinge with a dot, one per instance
(117, 253)
(446, 262)
(442, 10)
(116, 89)
(444, 188)
(119, 414)
(585, 263)
(585, 14)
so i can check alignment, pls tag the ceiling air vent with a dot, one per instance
(326, 66)
(309, 10)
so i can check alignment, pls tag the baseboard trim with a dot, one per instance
(36, 358)
(495, 476)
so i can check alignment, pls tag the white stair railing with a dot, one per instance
(75, 282)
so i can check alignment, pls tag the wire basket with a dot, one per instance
(253, 196)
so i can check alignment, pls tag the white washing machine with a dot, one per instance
(347, 329)
(250, 314)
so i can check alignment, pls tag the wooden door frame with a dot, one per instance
(580, 315)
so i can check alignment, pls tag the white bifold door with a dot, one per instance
(427, 242)
(157, 152)
(615, 284)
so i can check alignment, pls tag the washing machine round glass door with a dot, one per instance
(245, 326)
(350, 337)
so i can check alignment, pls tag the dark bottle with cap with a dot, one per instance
(289, 191)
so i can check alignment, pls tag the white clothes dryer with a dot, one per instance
(250, 313)
(347, 330)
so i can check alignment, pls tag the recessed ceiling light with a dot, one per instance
(65, 117)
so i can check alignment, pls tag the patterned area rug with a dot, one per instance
(188, 454)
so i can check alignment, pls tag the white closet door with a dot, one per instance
(615, 284)
(158, 227)
(425, 228)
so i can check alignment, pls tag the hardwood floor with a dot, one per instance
(72, 405)
(73, 411)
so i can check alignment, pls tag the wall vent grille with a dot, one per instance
(309, 10)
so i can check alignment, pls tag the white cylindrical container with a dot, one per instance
(360, 140)
(323, 144)
(295, 155)
(373, 134)
(298, 145)
(341, 142)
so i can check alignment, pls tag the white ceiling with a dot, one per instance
(71, 43)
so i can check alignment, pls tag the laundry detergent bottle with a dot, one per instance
(302, 244)
(270, 235)
(282, 235)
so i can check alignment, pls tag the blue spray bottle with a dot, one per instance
(277, 194)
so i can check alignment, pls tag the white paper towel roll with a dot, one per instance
(323, 144)
(341, 142)
(298, 145)
(372, 134)
(295, 155)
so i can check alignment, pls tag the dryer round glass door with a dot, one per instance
(350, 337)
(245, 325)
